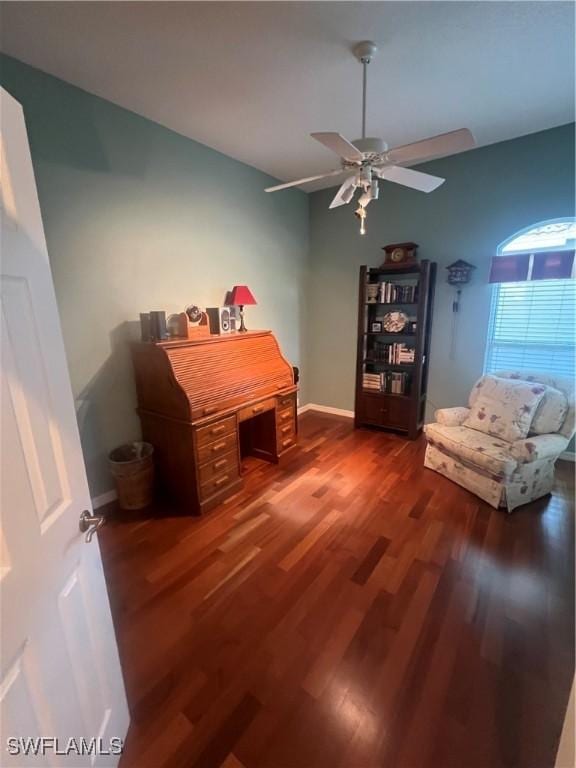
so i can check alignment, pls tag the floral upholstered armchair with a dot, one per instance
(503, 447)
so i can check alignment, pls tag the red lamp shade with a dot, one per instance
(240, 296)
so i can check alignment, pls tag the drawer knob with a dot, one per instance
(217, 430)
(286, 443)
(219, 464)
(257, 408)
(221, 481)
(210, 409)
(287, 428)
(285, 416)
(218, 446)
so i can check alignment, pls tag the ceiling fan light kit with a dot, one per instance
(369, 159)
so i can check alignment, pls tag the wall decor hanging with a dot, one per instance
(459, 274)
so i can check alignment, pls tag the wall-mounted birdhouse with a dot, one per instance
(460, 272)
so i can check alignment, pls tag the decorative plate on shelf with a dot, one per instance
(394, 322)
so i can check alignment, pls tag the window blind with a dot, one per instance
(546, 265)
(532, 327)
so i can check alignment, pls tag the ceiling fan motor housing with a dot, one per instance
(371, 145)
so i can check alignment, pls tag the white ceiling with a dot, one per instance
(254, 79)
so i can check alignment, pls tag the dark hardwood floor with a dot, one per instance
(347, 609)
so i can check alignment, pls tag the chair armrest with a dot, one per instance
(538, 447)
(451, 417)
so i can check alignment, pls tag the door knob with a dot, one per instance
(89, 524)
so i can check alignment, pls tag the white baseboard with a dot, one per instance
(104, 498)
(326, 409)
(566, 456)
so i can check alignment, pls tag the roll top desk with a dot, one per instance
(205, 403)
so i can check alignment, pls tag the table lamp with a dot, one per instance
(240, 296)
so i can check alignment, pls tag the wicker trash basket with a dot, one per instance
(132, 466)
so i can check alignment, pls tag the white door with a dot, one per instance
(60, 675)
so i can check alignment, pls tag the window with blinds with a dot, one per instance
(532, 322)
(532, 327)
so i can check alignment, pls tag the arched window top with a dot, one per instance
(552, 235)
(533, 316)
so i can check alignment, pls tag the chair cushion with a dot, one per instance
(550, 413)
(482, 451)
(504, 408)
(561, 383)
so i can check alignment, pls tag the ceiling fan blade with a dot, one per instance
(297, 183)
(436, 146)
(338, 144)
(345, 193)
(423, 182)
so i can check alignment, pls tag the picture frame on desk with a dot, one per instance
(376, 327)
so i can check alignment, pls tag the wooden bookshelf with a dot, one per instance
(400, 400)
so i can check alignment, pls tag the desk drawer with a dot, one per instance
(223, 465)
(285, 430)
(285, 416)
(216, 449)
(218, 484)
(285, 401)
(213, 431)
(256, 409)
(285, 442)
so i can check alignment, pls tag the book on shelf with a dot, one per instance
(394, 354)
(371, 381)
(387, 382)
(395, 383)
(391, 293)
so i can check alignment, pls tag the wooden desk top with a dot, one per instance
(191, 379)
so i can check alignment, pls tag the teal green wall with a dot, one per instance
(138, 217)
(489, 194)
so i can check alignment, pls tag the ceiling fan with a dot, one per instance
(369, 159)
